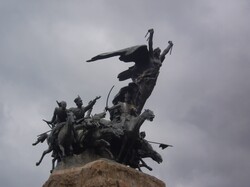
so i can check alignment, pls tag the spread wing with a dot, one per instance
(137, 54)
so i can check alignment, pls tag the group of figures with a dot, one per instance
(75, 130)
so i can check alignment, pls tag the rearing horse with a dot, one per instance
(62, 144)
(66, 136)
(131, 134)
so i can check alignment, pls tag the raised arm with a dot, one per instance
(150, 40)
(91, 104)
(170, 45)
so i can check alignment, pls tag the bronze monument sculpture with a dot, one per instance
(119, 138)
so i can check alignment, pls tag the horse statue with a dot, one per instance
(67, 136)
(96, 133)
(51, 147)
(131, 134)
(60, 145)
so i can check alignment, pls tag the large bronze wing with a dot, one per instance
(137, 54)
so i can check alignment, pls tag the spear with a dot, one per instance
(44, 133)
(47, 122)
(161, 145)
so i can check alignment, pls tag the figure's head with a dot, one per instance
(157, 52)
(63, 104)
(78, 101)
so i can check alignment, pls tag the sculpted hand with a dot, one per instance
(98, 97)
(170, 43)
(151, 31)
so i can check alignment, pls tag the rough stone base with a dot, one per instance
(79, 160)
(101, 173)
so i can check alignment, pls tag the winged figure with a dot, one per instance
(144, 72)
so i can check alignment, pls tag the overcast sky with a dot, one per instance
(201, 99)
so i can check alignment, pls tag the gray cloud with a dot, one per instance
(200, 101)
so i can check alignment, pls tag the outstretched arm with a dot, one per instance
(170, 45)
(91, 104)
(113, 107)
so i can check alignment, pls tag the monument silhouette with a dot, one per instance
(90, 150)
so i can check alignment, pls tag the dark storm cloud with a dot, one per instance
(200, 100)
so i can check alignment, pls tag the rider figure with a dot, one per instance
(123, 110)
(60, 114)
(79, 111)
(58, 120)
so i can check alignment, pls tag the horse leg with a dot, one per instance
(37, 141)
(143, 164)
(127, 148)
(62, 151)
(71, 150)
(110, 155)
(53, 164)
(102, 145)
(68, 150)
(44, 153)
(104, 149)
(40, 139)
(69, 147)
(124, 143)
(139, 168)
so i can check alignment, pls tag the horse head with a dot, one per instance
(156, 157)
(70, 118)
(148, 114)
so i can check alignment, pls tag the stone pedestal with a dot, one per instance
(101, 173)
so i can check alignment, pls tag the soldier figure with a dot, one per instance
(58, 120)
(123, 110)
(59, 115)
(79, 111)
